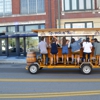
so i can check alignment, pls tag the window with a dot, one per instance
(11, 28)
(32, 43)
(21, 28)
(77, 5)
(74, 4)
(2, 29)
(29, 28)
(89, 25)
(81, 4)
(24, 6)
(79, 25)
(67, 25)
(42, 26)
(5, 7)
(32, 6)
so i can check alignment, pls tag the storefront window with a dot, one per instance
(29, 28)
(21, 29)
(2, 29)
(3, 46)
(11, 28)
(12, 46)
(21, 46)
(32, 43)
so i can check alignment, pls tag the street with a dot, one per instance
(49, 84)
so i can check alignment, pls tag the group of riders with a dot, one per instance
(75, 46)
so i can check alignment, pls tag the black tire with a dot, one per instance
(40, 68)
(86, 69)
(33, 68)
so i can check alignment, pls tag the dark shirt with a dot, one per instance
(54, 49)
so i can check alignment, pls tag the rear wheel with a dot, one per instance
(86, 69)
(33, 68)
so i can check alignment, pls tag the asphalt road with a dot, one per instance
(16, 83)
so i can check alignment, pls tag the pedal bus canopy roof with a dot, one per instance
(68, 32)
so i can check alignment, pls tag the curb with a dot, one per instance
(13, 62)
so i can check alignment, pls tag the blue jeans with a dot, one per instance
(46, 58)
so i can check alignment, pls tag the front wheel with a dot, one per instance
(86, 69)
(33, 68)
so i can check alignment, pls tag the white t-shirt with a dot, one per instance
(43, 47)
(87, 47)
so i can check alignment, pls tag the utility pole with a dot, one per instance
(59, 22)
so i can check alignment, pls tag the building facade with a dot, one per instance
(80, 14)
(19, 17)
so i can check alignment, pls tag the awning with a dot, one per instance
(4, 36)
(13, 36)
(19, 35)
(22, 35)
(34, 35)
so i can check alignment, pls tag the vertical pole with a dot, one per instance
(24, 46)
(59, 22)
(7, 47)
(17, 46)
(50, 14)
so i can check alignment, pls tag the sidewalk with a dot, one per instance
(5, 59)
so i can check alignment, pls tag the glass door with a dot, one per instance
(21, 43)
(3, 47)
(12, 46)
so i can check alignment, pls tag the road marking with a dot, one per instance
(49, 80)
(50, 95)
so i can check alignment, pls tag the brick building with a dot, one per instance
(21, 16)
